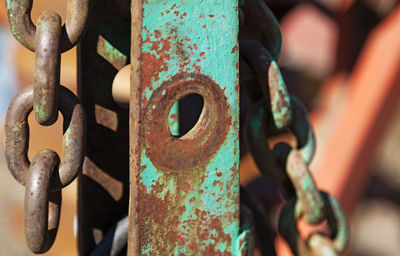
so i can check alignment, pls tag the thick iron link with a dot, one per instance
(256, 139)
(45, 176)
(309, 203)
(278, 112)
(259, 127)
(22, 27)
(42, 207)
(47, 68)
(317, 244)
(257, 14)
(270, 80)
(17, 137)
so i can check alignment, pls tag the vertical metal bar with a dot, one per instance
(104, 184)
(184, 190)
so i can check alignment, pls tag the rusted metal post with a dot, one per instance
(184, 190)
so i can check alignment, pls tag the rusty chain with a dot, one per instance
(274, 113)
(45, 176)
(47, 68)
(278, 112)
(22, 27)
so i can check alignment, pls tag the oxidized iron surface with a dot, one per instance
(185, 190)
(45, 176)
(194, 149)
(277, 112)
(270, 81)
(47, 68)
(22, 27)
(16, 137)
(42, 207)
(260, 24)
(317, 244)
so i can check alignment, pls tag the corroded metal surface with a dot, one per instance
(47, 68)
(16, 137)
(22, 27)
(185, 190)
(317, 244)
(276, 113)
(42, 209)
(260, 24)
(103, 187)
(45, 176)
(270, 81)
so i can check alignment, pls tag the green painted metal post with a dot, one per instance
(184, 190)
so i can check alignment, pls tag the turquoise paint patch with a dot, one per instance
(150, 175)
(203, 37)
(173, 119)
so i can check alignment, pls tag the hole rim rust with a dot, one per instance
(194, 149)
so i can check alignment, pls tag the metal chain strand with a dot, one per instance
(275, 113)
(309, 202)
(317, 244)
(17, 137)
(23, 29)
(270, 80)
(45, 176)
(256, 137)
(42, 209)
(259, 127)
(263, 26)
(47, 68)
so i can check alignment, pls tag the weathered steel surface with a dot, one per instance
(16, 137)
(22, 27)
(47, 68)
(185, 190)
(45, 176)
(317, 243)
(42, 207)
(104, 183)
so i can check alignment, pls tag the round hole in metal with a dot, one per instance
(185, 114)
(196, 147)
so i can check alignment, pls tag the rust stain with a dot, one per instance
(197, 147)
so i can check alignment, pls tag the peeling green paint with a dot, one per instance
(190, 211)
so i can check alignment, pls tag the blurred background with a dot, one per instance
(341, 58)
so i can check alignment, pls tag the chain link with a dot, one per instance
(47, 68)
(278, 112)
(317, 244)
(45, 176)
(16, 137)
(42, 209)
(22, 27)
(274, 113)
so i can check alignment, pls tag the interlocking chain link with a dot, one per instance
(278, 112)
(16, 137)
(45, 176)
(274, 113)
(46, 68)
(41, 226)
(22, 27)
